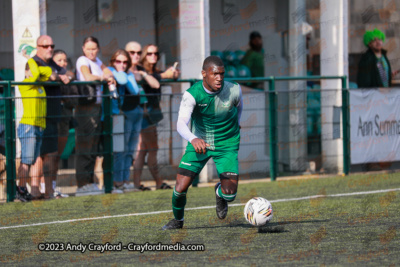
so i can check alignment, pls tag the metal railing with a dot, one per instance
(10, 123)
(273, 116)
(10, 133)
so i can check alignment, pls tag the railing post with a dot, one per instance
(170, 130)
(346, 118)
(10, 143)
(108, 140)
(196, 179)
(272, 130)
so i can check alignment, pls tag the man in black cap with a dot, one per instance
(254, 58)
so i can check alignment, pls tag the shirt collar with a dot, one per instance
(208, 91)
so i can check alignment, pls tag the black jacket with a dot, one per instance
(368, 73)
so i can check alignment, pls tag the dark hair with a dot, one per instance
(254, 35)
(145, 63)
(59, 51)
(124, 53)
(211, 61)
(91, 39)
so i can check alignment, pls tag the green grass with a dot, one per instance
(361, 229)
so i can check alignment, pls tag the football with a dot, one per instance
(258, 211)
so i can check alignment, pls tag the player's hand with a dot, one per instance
(199, 145)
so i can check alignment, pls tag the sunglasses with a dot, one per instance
(135, 52)
(153, 53)
(121, 62)
(47, 46)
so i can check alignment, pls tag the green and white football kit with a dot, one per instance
(215, 119)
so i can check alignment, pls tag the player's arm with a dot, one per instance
(240, 105)
(185, 112)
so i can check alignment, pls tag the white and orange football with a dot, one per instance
(258, 211)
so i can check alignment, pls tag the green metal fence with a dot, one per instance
(11, 140)
(10, 124)
(272, 96)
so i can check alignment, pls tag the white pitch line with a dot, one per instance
(200, 208)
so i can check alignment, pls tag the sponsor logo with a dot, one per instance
(184, 163)
(202, 105)
(225, 105)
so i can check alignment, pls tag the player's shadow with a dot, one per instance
(270, 228)
(273, 227)
(299, 221)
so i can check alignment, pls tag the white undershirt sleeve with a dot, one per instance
(240, 104)
(185, 113)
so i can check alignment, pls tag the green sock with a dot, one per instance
(178, 204)
(227, 197)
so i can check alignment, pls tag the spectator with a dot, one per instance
(88, 117)
(254, 58)
(128, 105)
(374, 71)
(148, 137)
(68, 103)
(374, 68)
(32, 125)
(135, 52)
(46, 163)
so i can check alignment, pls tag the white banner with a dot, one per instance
(375, 125)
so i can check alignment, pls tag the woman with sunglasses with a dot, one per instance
(135, 51)
(148, 136)
(128, 105)
(88, 117)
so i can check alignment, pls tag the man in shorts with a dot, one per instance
(215, 108)
(33, 122)
(49, 147)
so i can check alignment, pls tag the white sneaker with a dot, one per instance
(117, 191)
(89, 189)
(130, 187)
(58, 194)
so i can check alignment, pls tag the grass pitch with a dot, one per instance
(343, 230)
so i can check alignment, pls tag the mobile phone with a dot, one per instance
(175, 65)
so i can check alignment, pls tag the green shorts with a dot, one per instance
(225, 161)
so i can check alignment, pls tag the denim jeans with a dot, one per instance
(31, 141)
(123, 160)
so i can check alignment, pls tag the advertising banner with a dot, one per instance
(375, 125)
